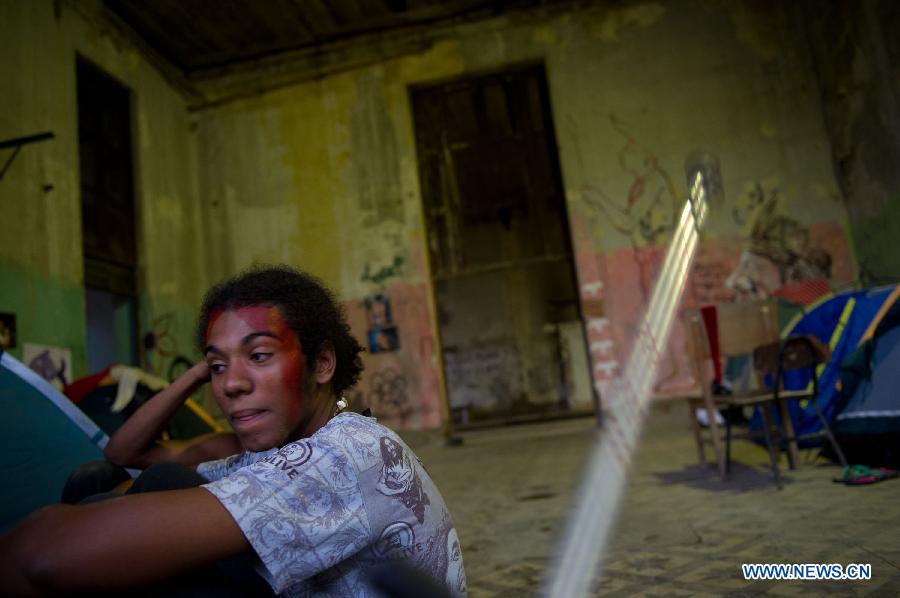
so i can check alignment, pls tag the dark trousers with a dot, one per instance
(95, 481)
(233, 577)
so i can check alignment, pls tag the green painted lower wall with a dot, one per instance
(171, 324)
(166, 333)
(48, 312)
(41, 270)
(52, 312)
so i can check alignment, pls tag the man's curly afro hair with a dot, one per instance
(307, 307)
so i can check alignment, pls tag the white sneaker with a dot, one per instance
(703, 418)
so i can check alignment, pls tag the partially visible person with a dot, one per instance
(317, 500)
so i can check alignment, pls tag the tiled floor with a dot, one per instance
(682, 531)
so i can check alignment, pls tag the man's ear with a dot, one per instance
(326, 362)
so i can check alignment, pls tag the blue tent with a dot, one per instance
(43, 437)
(841, 322)
(867, 423)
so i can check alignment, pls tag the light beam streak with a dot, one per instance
(579, 559)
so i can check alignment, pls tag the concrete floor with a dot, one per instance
(682, 531)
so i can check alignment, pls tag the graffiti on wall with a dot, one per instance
(709, 275)
(161, 355)
(401, 386)
(779, 257)
(394, 269)
(388, 395)
(486, 374)
(647, 212)
(775, 255)
(601, 346)
(53, 364)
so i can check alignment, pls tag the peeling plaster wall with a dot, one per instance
(41, 267)
(323, 174)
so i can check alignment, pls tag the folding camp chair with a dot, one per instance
(796, 353)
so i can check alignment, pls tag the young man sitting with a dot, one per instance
(316, 499)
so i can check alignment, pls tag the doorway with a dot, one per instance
(107, 218)
(500, 249)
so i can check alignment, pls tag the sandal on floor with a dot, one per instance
(887, 473)
(860, 475)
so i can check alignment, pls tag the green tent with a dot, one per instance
(44, 437)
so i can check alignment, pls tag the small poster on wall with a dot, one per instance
(53, 364)
(382, 335)
(7, 331)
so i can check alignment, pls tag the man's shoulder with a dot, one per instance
(345, 424)
(357, 436)
(349, 442)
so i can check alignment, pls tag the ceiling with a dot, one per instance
(202, 35)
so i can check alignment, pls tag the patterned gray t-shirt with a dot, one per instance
(320, 511)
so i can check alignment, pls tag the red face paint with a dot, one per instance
(293, 374)
(258, 375)
(215, 315)
(261, 317)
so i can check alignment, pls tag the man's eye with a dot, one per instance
(217, 368)
(259, 357)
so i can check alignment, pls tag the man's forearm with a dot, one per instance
(20, 555)
(140, 431)
(115, 544)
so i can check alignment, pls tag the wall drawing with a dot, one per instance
(748, 203)
(648, 211)
(774, 255)
(388, 395)
(394, 269)
(779, 257)
(707, 284)
(53, 364)
(161, 355)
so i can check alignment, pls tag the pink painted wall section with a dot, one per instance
(602, 347)
(631, 274)
(401, 386)
(799, 265)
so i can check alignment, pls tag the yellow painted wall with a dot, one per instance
(323, 174)
(41, 266)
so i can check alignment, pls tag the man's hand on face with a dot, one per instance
(200, 372)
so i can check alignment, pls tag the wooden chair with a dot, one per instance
(746, 328)
(742, 327)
